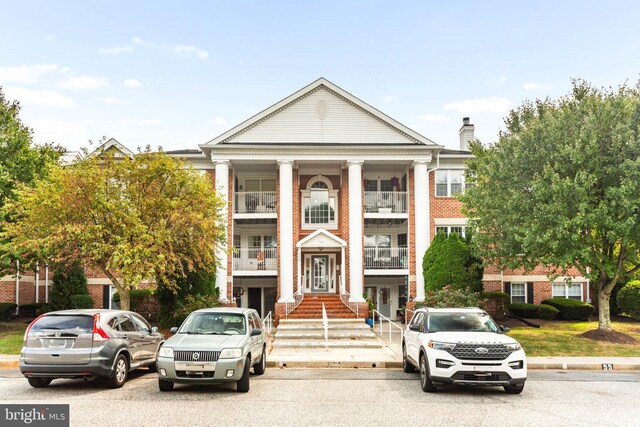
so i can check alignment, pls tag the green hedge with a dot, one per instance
(6, 310)
(523, 309)
(33, 309)
(547, 312)
(570, 309)
(628, 299)
(81, 301)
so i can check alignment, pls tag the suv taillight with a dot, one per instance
(98, 333)
(26, 333)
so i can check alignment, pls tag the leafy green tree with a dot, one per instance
(560, 188)
(149, 217)
(67, 281)
(450, 261)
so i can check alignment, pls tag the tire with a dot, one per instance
(262, 364)
(39, 382)
(514, 389)
(153, 367)
(243, 383)
(406, 365)
(120, 372)
(425, 381)
(165, 385)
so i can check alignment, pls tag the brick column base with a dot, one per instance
(279, 313)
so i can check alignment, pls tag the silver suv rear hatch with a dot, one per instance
(60, 339)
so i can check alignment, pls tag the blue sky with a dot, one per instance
(177, 74)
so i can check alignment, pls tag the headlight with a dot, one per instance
(231, 353)
(437, 345)
(513, 347)
(166, 352)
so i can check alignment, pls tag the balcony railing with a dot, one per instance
(385, 258)
(254, 259)
(385, 202)
(255, 202)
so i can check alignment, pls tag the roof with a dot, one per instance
(330, 241)
(237, 310)
(452, 310)
(189, 151)
(111, 144)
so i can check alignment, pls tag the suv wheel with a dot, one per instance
(165, 385)
(120, 373)
(262, 364)
(425, 381)
(406, 365)
(39, 382)
(514, 389)
(243, 382)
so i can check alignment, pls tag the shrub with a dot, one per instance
(570, 309)
(192, 303)
(370, 304)
(629, 299)
(452, 297)
(7, 309)
(67, 281)
(81, 301)
(34, 309)
(496, 303)
(523, 309)
(547, 312)
(169, 297)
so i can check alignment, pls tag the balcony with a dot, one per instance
(255, 204)
(385, 202)
(255, 261)
(386, 260)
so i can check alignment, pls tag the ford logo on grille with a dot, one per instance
(196, 356)
(482, 350)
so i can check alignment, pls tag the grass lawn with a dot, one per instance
(11, 334)
(560, 338)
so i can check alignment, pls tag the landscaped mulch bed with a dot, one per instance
(609, 336)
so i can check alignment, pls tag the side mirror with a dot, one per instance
(504, 329)
(154, 329)
(255, 332)
(415, 328)
(173, 330)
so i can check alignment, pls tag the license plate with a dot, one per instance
(57, 343)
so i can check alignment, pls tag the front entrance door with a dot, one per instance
(320, 273)
(255, 299)
(384, 301)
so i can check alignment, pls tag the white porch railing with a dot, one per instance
(291, 305)
(390, 328)
(353, 306)
(267, 323)
(385, 258)
(385, 202)
(255, 258)
(255, 202)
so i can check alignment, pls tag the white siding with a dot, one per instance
(301, 123)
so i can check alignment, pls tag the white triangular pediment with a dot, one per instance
(321, 239)
(112, 146)
(321, 114)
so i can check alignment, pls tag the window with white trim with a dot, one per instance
(449, 182)
(567, 290)
(448, 229)
(319, 204)
(518, 292)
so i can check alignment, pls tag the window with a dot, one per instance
(518, 292)
(567, 290)
(386, 185)
(370, 185)
(319, 203)
(451, 229)
(449, 182)
(142, 324)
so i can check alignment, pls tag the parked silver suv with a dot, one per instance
(88, 343)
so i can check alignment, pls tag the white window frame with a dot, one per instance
(447, 229)
(333, 194)
(524, 290)
(566, 290)
(449, 175)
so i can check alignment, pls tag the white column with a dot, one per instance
(285, 219)
(222, 188)
(299, 281)
(421, 224)
(343, 263)
(355, 231)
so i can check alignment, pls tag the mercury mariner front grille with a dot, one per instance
(480, 352)
(196, 356)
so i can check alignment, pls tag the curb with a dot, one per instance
(9, 364)
(329, 364)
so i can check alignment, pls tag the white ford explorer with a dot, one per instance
(462, 346)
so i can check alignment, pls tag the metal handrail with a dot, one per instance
(383, 318)
(267, 323)
(385, 257)
(344, 297)
(289, 306)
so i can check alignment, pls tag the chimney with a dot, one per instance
(466, 134)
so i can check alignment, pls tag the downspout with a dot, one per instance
(46, 283)
(37, 283)
(17, 285)
(588, 285)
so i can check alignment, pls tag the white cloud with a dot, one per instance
(141, 42)
(492, 104)
(46, 130)
(220, 121)
(534, 86)
(131, 83)
(115, 50)
(43, 98)
(50, 38)
(389, 98)
(112, 101)
(433, 118)
(136, 121)
(25, 73)
(502, 79)
(190, 51)
(83, 83)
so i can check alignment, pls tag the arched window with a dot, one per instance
(319, 203)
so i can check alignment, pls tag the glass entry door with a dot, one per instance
(320, 273)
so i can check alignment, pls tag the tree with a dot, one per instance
(450, 261)
(560, 188)
(67, 281)
(149, 217)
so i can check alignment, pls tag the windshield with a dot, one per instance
(214, 324)
(461, 322)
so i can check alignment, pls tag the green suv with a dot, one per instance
(213, 346)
